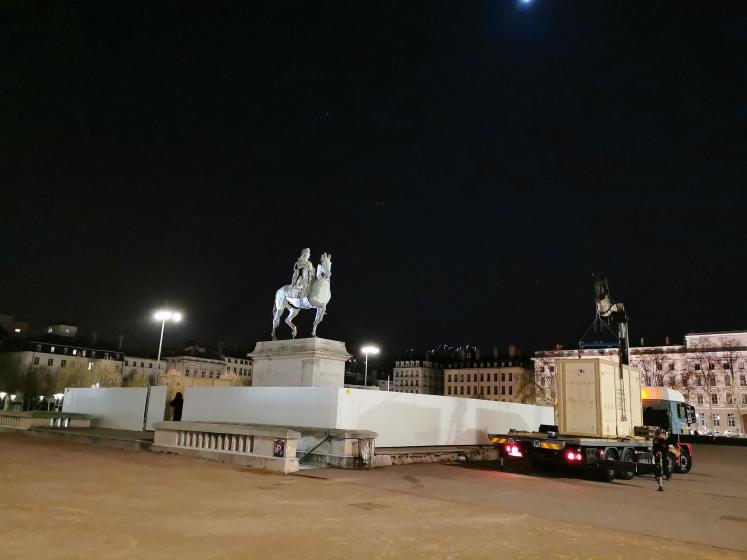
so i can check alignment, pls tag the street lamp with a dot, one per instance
(368, 350)
(164, 315)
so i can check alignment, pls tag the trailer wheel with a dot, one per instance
(607, 474)
(686, 462)
(627, 457)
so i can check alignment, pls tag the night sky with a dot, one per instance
(469, 165)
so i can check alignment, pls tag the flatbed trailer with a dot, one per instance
(606, 457)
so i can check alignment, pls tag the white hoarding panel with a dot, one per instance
(156, 406)
(314, 407)
(403, 419)
(120, 408)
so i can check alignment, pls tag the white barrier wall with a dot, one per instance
(119, 408)
(313, 407)
(399, 419)
(405, 419)
(116, 407)
(156, 406)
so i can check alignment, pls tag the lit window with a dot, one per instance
(75, 352)
(52, 349)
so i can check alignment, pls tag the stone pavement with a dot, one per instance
(62, 499)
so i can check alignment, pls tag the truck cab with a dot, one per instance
(667, 409)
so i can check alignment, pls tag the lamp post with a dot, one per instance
(368, 350)
(164, 315)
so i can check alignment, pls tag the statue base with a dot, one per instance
(301, 362)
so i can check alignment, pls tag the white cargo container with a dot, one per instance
(594, 402)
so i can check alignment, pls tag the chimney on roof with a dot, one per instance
(220, 348)
(513, 351)
(121, 342)
(643, 343)
(666, 341)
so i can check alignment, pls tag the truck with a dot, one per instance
(605, 438)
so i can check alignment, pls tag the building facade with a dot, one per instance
(151, 368)
(709, 369)
(49, 364)
(417, 376)
(496, 380)
(199, 362)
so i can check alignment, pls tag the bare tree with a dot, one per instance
(136, 378)
(701, 362)
(107, 373)
(75, 374)
(731, 356)
(540, 387)
(652, 369)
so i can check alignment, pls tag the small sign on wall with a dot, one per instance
(278, 450)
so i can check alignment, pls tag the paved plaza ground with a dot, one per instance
(61, 499)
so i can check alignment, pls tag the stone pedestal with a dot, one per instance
(303, 362)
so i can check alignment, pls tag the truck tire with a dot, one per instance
(686, 462)
(628, 457)
(607, 474)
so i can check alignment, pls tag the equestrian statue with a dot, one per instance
(309, 289)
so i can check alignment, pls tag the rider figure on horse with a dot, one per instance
(303, 274)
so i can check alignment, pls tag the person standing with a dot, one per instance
(177, 403)
(661, 448)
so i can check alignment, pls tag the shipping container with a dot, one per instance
(594, 402)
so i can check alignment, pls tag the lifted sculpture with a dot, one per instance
(308, 290)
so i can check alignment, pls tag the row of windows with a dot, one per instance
(142, 364)
(469, 377)
(237, 361)
(481, 364)
(211, 373)
(483, 390)
(77, 352)
(712, 381)
(63, 363)
(728, 398)
(731, 419)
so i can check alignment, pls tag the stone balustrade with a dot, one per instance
(262, 447)
(42, 419)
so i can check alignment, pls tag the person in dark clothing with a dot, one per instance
(177, 403)
(661, 448)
